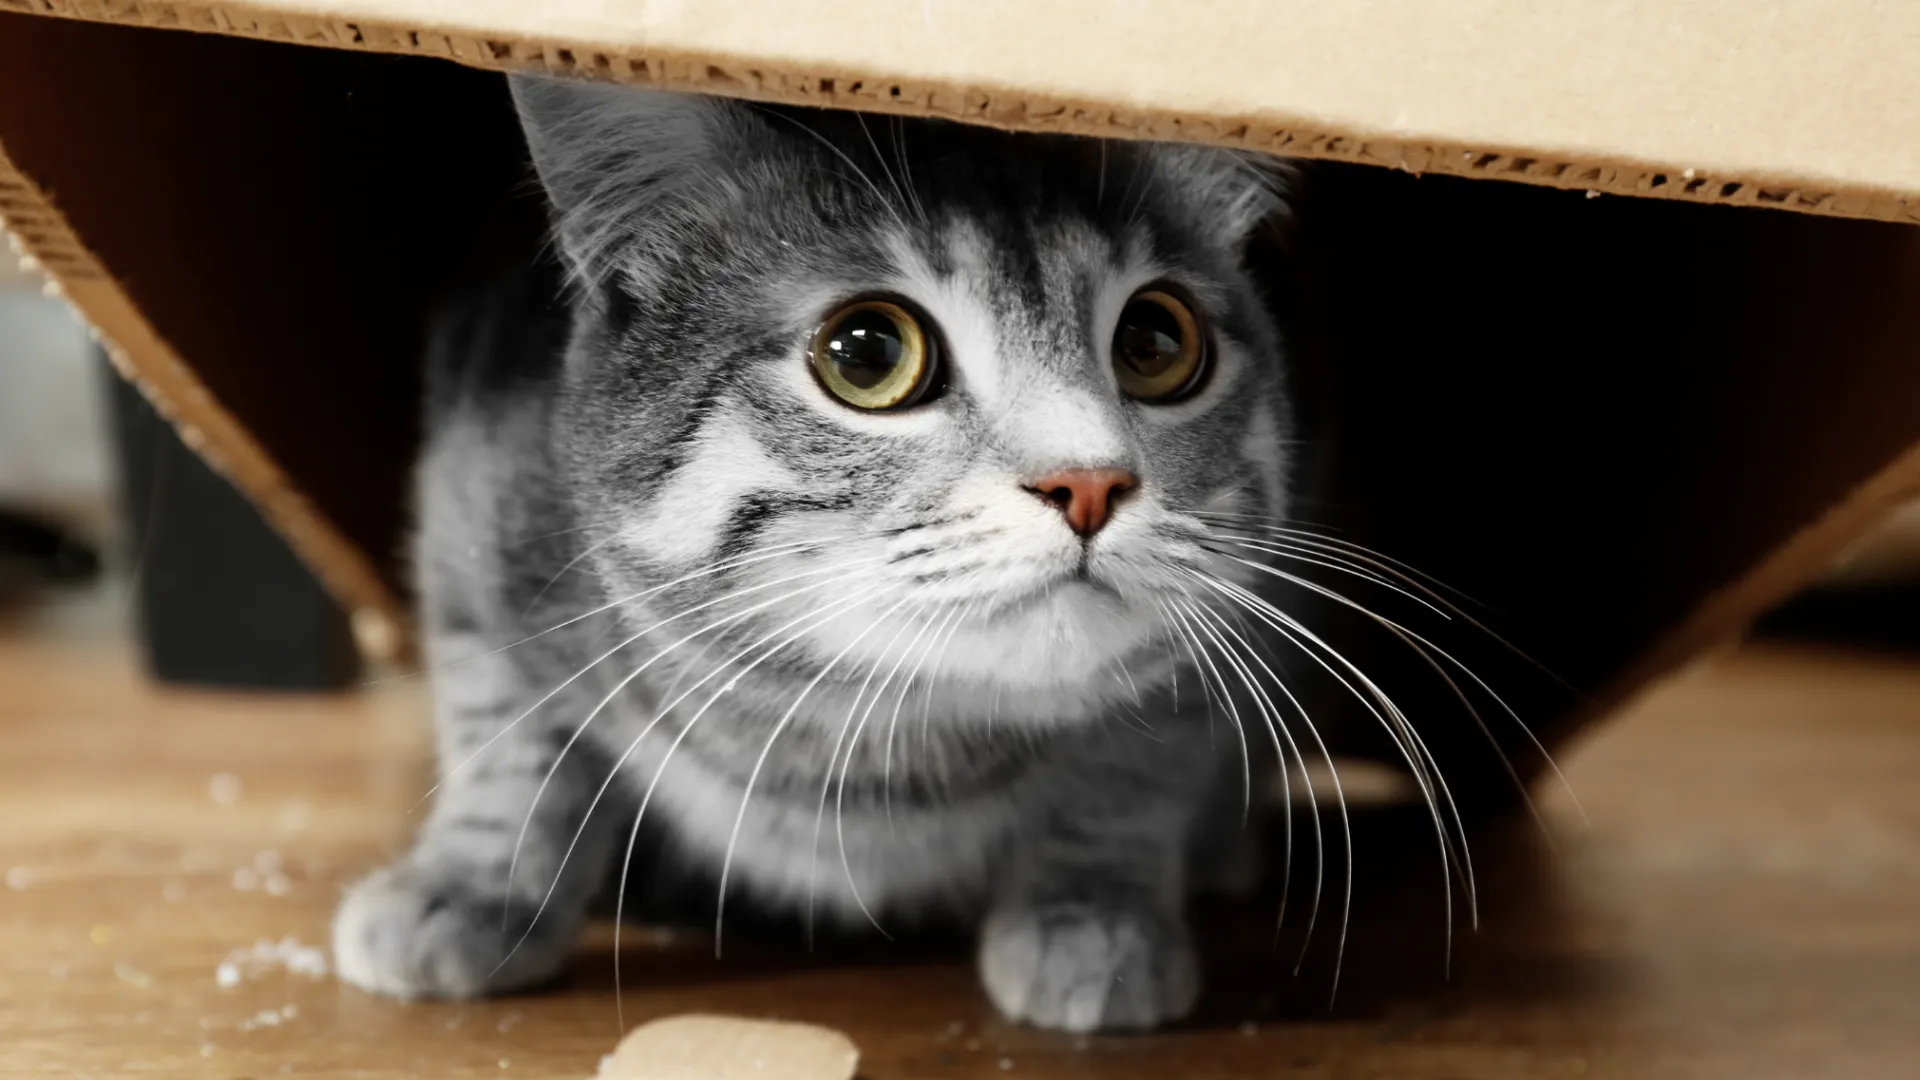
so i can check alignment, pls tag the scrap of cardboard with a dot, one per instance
(730, 1048)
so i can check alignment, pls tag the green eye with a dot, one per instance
(874, 354)
(1159, 353)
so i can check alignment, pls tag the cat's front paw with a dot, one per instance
(416, 933)
(1080, 968)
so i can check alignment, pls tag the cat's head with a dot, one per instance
(923, 389)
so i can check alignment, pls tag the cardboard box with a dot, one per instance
(1625, 424)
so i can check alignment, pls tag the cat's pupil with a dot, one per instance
(866, 348)
(1149, 338)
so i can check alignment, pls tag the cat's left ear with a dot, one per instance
(1233, 194)
(611, 155)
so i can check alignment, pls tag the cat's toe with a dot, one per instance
(411, 933)
(1078, 968)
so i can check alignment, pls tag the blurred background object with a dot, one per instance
(93, 481)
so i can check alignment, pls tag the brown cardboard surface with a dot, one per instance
(1807, 104)
(1624, 426)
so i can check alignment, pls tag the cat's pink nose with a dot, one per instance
(1085, 496)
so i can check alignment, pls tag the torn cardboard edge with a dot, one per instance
(35, 228)
(874, 91)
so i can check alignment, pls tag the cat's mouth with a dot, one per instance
(1080, 583)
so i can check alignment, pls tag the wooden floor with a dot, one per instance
(1745, 903)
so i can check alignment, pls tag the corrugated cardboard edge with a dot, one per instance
(874, 91)
(36, 229)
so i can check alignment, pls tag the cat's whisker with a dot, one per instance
(1233, 711)
(933, 679)
(760, 555)
(1392, 720)
(564, 570)
(1281, 731)
(931, 634)
(1295, 553)
(626, 643)
(1410, 637)
(1294, 529)
(746, 797)
(580, 729)
(634, 745)
(826, 781)
(1409, 575)
(818, 619)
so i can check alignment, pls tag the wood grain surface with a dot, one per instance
(1744, 902)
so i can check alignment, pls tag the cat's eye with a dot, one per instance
(875, 354)
(1160, 353)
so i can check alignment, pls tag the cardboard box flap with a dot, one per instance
(1807, 104)
(1621, 425)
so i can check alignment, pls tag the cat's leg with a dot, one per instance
(1088, 931)
(445, 920)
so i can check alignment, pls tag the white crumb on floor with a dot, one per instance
(21, 877)
(606, 1062)
(295, 816)
(131, 975)
(507, 1022)
(263, 1018)
(224, 789)
(1006, 1064)
(277, 884)
(1249, 1029)
(506, 1063)
(245, 879)
(265, 956)
(173, 892)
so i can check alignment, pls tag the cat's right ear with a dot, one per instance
(611, 155)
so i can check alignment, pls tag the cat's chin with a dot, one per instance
(1074, 644)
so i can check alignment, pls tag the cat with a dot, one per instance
(837, 512)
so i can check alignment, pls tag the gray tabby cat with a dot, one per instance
(839, 530)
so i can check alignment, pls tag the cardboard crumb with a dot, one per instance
(265, 956)
(132, 976)
(263, 1018)
(224, 789)
(730, 1048)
